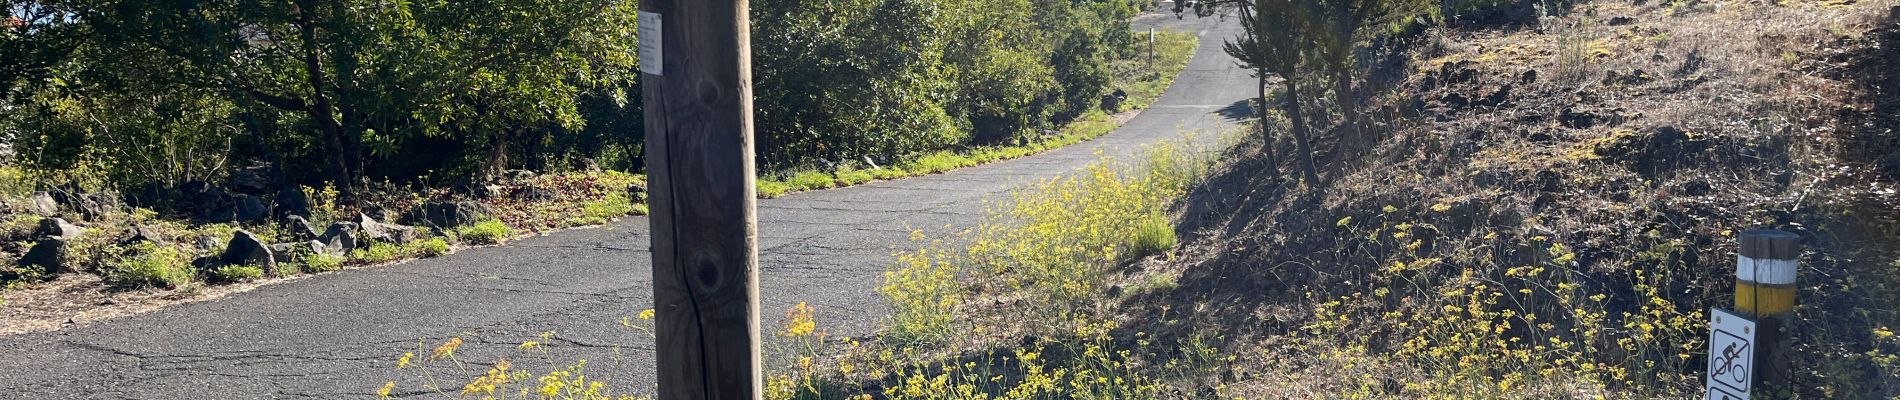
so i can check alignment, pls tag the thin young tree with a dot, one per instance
(1272, 46)
(1336, 29)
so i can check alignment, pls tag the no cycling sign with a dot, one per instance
(1731, 356)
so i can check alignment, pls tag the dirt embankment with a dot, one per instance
(1573, 186)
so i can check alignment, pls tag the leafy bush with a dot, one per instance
(888, 78)
(848, 176)
(319, 263)
(811, 180)
(237, 273)
(378, 253)
(769, 188)
(889, 173)
(938, 162)
(14, 181)
(601, 211)
(486, 232)
(146, 264)
(837, 80)
(428, 248)
(20, 225)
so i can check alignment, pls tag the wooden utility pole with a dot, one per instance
(696, 72)
(1764, 291)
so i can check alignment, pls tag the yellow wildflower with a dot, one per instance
(799, 321)
(447, 349)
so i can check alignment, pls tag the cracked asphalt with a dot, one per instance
(338, 335)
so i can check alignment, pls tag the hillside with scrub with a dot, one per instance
(1551, 208)
(1521, 200)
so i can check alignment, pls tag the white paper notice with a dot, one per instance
(651, 60)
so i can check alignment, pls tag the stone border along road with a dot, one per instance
(337, 335)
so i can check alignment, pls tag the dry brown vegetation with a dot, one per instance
(1613, 151)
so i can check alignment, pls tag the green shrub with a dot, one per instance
(938, 162)
(1153, 235)
(889, 173)
(769, 188)
(237, 273)
(811, 180)
(20, 225)
(601, 211)
(150, 265)
(15, 181)
(428, 248)
(987, 155)
(319, 263)
(486, 232)
(849, 176)
(378, 253)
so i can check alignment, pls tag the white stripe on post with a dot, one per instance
(1766, 272)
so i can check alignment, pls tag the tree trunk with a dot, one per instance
(1266, 133)
(343, 55)
(1300, 142)
(322, 111)
(497, 157)
(1348, 107)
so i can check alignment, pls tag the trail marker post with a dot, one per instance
(1151, 49)
(696, 73)
(1749, 349)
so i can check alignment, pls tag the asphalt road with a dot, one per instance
(337, 336)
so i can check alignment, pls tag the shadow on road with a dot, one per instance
(1238, 111)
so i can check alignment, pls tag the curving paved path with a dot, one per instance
(336, 336)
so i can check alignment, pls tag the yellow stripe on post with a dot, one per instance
(1757, 299)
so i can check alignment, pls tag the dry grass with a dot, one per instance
(78, 299)
(1622, 169)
